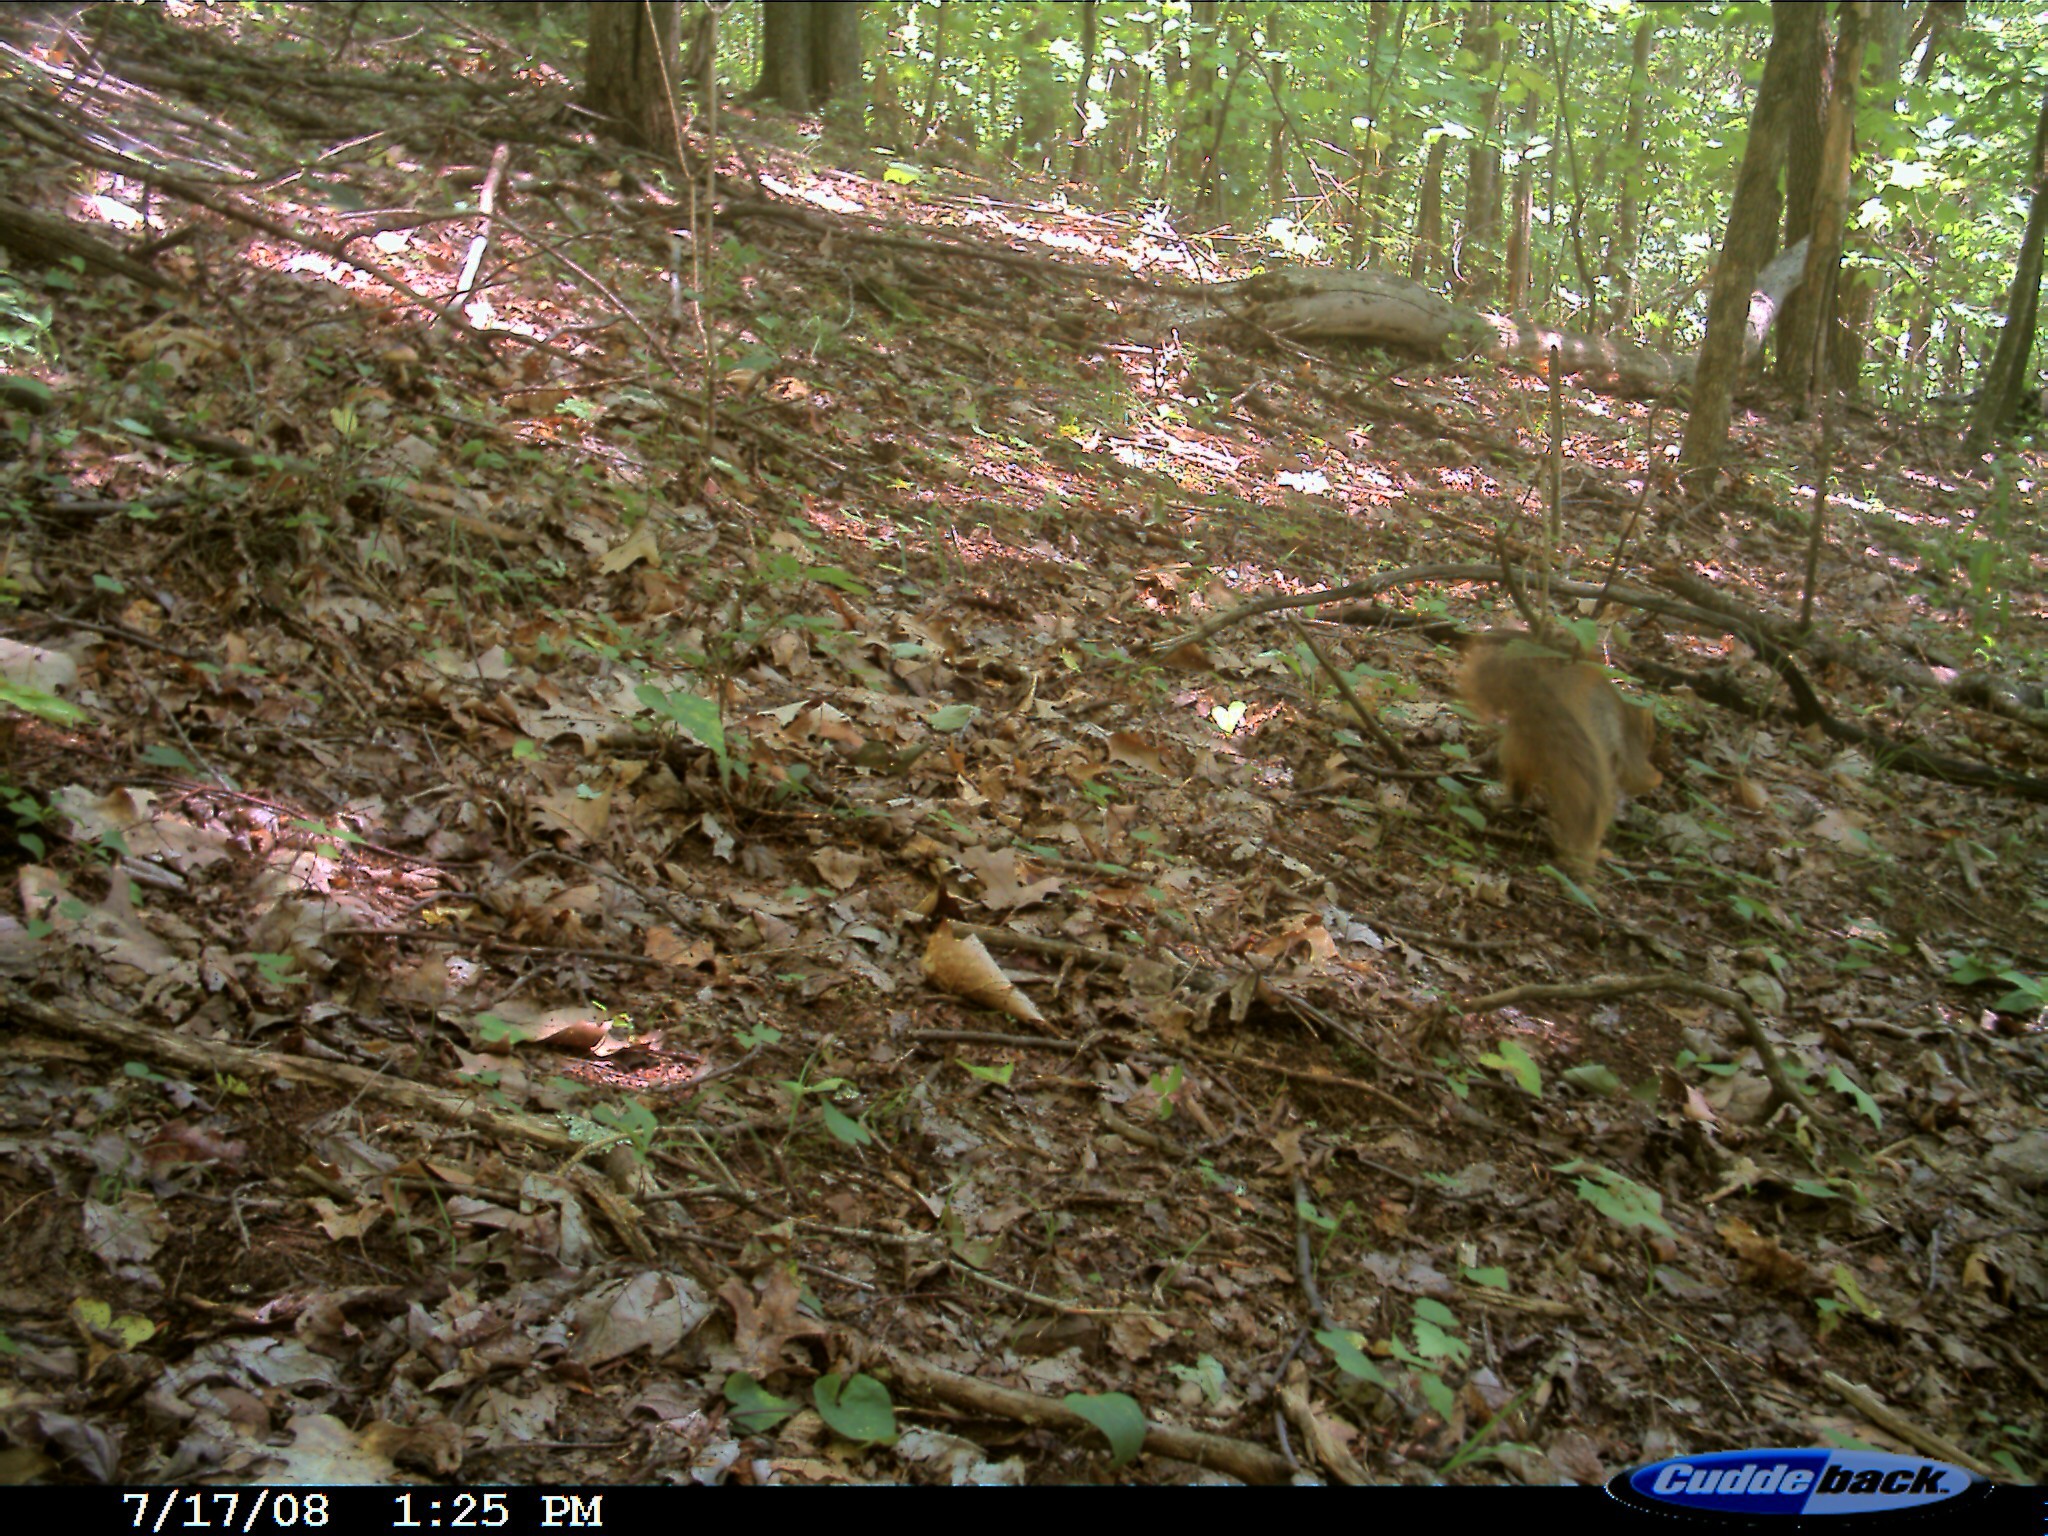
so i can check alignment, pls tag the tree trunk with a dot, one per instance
(1197, 111)
(1426, 256)
(937, 69)
(1366, 146)
(1918, 335)
(1634, 156)
(810, 52)
(1806, 115)
(1209, 196)
(785, 53)
(1037, 92)
(1090, 15)
(2006, 379)
(1276, 80)
(1809, 354)
(1560, 56)
(1133, 174)
(1937, 20)
(699, 57)
(835, 51)
(1382, 198)
(1856, 301)
(1125, 133)
(1390, 311)
(1478, 260)
(1522, 218)
(631, 71)
(1752, 221)
(1364, 153)
(887, 116)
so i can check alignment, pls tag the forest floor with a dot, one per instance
(490, 983)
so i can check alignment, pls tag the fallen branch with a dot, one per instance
(1783, 1089)
(47, 241)
(487, 204)
(1409, 575)
(1890, 1420)
(59, 138)
(920, 1378)
(79, 1018)
(1806, 706)
(1373, 728)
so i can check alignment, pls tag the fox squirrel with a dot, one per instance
(1569, 733)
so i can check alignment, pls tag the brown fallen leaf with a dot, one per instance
(964, 968)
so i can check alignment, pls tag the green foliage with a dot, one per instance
(24, 331)
(1594, 1078)
(856, 1407)
(1619, 1198)
(1206, 1375)
(1513, 1061)
(1118, 1417)
(756, 1410)
(278, 970)
(843, 1127)
(1354, 101)
(1847, 1302)
(1436, 1344)
(494, 1030)
(2027, 992)
(632, 1120)
(1842, 1083)
(694, 715)
(1347, 1349)
(28, 814)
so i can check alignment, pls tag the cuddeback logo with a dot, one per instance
(1747, 1484)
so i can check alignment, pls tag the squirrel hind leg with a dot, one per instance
(1581, 801)
(1556, 758)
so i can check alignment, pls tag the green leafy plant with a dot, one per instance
(278, 970)
(857, 1408)
(44, 706)
(327, 841)
(24, 327)
(1436, 1343)
(1867, 1106)
(1513, 1061)
(697, 718)
(1119, 1419)
(1847, 1302)
(1619, 1198)
(632, 1120)
(1206, 1374)
(493, 1029)
(756, 1410)
(2027, 993)
(28, 814)
(129, 1330)
(843, 1127)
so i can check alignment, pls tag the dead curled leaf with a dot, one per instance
(964, 968)
(1762, 1261)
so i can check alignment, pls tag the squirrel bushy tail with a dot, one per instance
(1568, 733)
